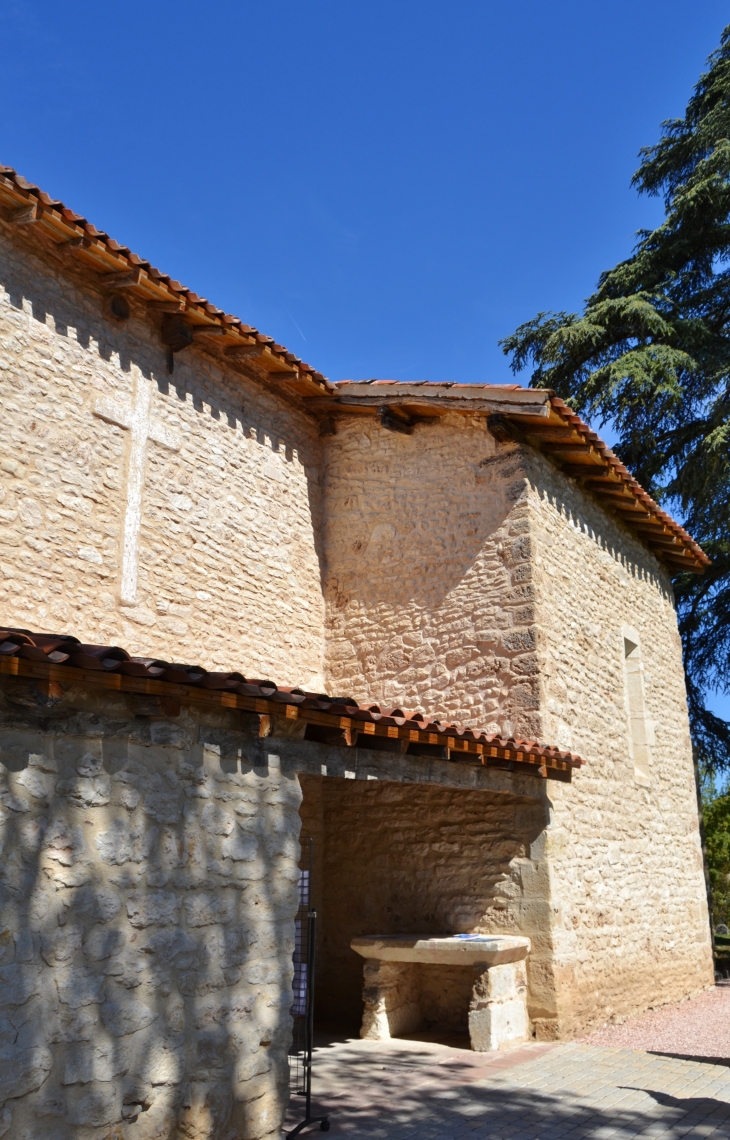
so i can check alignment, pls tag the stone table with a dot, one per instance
(498, 1007)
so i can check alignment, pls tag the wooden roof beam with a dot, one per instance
(166, 306)
(547, 427)
(567, 447)
(126, 279)
(25, 215)
(662, 541)
(246, 351)
(685, 562)
(610, 481)
(580, 470)
(395, 421)
(639, 514)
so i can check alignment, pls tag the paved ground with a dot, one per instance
(417, 1089)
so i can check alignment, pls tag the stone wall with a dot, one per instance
(227, 556)
(148, 888)
(399, 858)
(462, 577)
(473, 579)
(426, 558)
(630, 924)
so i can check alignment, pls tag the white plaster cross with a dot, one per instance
(137, 421)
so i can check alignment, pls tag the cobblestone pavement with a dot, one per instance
(418, 1090)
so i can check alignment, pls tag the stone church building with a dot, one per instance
(429, 624)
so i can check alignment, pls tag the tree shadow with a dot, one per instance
(147, 898)
(241, 444)
(700, 1060)
(408, 1097)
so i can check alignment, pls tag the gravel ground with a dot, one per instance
(698, 1027)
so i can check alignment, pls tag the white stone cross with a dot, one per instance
(138, 422)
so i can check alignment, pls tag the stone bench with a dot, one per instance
(498, 1007)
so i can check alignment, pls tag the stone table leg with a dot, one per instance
(498, 1010)
(390, 997)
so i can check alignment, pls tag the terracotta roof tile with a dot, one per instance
(430, 384)
(29, 191)
(68, 652)
(627, 479)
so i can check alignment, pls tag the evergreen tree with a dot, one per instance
(650, 354)
(716, 820)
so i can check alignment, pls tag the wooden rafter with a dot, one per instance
(552, 767)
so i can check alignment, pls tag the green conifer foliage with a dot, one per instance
(650, 354)
(716, 819)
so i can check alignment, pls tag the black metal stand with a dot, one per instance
(306, 960)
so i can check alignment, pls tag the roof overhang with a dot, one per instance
(427, 399)
(542, 420)
(533, 416)
(55, 661)
(184, 317)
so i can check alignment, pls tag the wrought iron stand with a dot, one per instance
(300, 1054)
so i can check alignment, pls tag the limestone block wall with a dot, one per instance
(472, 579)
(148, 887)
(623, 850)
(427, 561)
(418, 858)
(222, 564)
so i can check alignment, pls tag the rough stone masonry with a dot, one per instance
(149, 878)
(149, 883)
(397, 544)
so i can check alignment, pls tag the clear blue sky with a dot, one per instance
(386, 187)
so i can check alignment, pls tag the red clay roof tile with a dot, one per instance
(66, 650)
(70, 217)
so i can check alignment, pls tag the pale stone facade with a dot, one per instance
(511, 608)
(404, 858)
(148, 888)
(427, 552)
(209, 517)
(629, 901)
(149, 881)
(226, 561)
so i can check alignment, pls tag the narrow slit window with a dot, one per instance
(639, 728)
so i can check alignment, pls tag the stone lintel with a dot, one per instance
(362, 764)
(446, 950)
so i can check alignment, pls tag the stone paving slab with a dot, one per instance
(418, 1090)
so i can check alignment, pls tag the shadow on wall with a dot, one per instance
(61, 346)
(418, 512)
(80, 316)
(148, 889)
(429, 603)
(408, 859)
(576, 508)
(432, 544)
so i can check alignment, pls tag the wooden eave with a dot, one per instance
(583, 456)
(539, 419)
(457, 748)
(422, 403)
(101, 262)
